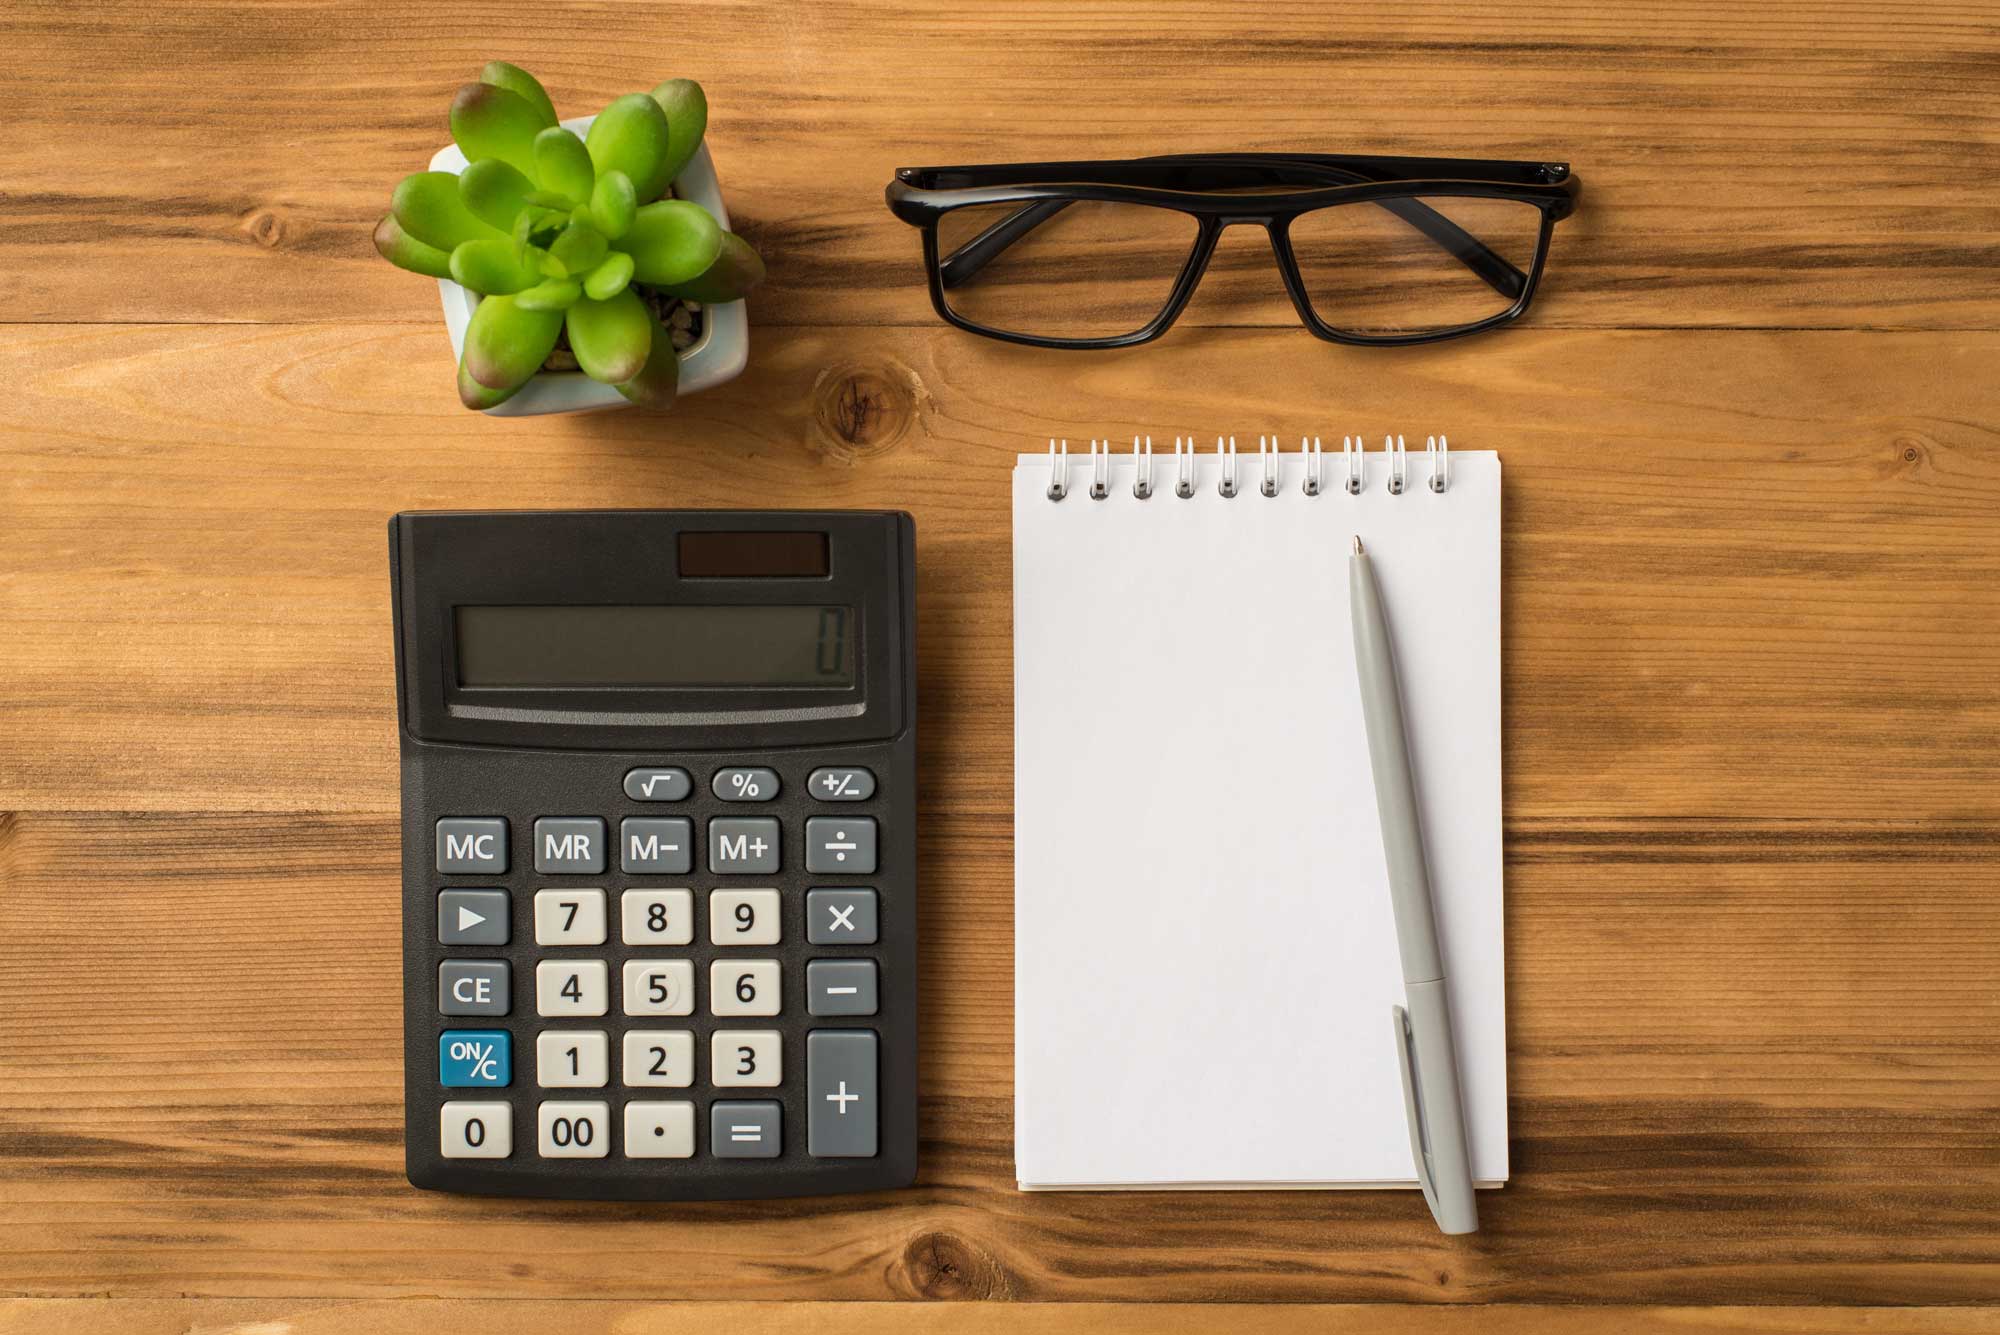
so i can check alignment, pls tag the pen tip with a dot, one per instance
(1357, 544)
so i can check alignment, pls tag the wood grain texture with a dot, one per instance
(1795, 165)
(1752, 648)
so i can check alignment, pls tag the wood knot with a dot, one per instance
(945, 1266)
(1912, 448)
(863, 411)
(265, 227)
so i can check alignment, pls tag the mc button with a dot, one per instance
(472, 845)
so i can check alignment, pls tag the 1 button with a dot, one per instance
(472, 987)
(572, 1059)
(840, 1093)
(743, 845)
(840, 987)
(840, 844)
(656, 845)
(659, 1130)
(841, 785)
(575, 1130)
(665, 784)
(745, 784)
(840, 917)
(475, 1131)
(471, 844)
(745, 1130)
(472, 918)
(475, 1058)
(569, 845)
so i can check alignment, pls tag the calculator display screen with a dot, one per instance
(654, 646)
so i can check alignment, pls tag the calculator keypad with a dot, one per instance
(666, 956)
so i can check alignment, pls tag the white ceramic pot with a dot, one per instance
(718, 355)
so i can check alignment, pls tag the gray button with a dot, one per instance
(661, 845)
(472, 918)
(473, 987)
(834, 784)
(840, 844)
(666, 784)
(472, 844)
(840, 987)
(840, 917)
(743, 845)
(746, 1129)
(840, 1093)
(569, 844)
(744, 784)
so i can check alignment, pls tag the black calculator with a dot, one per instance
(659, 851)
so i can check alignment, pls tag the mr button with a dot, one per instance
(569, 845)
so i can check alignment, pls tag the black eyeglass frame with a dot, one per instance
(921, 196)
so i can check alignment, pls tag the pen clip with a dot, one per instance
(1413, 1109)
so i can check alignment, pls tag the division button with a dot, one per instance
(745, 784)
(840, 845)
(841, 784)
(475, 1131)
(569, 845)
(840, 987)
(473, 918)
(475, 1058)
(472, 844)
(659, 784)
(656, 845)
(840, 917)
(473, 987)
(746, 1129)
(840, 1093)
(743, 845)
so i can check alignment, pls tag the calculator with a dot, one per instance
(659, 851)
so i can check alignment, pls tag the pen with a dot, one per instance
(1424, 1047)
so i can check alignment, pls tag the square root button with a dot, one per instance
(840, 845)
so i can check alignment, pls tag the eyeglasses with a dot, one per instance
(1106, 254)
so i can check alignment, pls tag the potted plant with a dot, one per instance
(585, 263)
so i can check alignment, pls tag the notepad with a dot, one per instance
(1205, 957)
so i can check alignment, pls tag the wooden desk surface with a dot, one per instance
(1752, 436)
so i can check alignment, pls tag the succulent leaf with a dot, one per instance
(613, 201)
(687, 120)
(523, 85)
(493, 267)
(671, 241)
(505, 344)
(735, 271)
(551, 294)
(563, 165)
(611, 339)
(427, 206)
(548, 199)
(475, 395)
(406, 252)
(579, 249)
(487, 121)
(494, 192)
(631, 136)
(610, 278)
(660, 379)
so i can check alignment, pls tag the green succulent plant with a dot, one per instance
(559, 235)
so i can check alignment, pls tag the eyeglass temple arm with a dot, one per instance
(964, 263)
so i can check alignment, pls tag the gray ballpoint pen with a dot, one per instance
(1424, 1045)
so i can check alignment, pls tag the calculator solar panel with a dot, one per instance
(659, 842)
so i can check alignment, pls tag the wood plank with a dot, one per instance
(1748, 1063)
(1745, 573)
(488, 1317)
(1790, 164)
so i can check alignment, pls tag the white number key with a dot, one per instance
(572, 987)
(574, 1130)
(569, 917)
(657, 917)
(743, 917)
(659, 987)
(475, 1131)
(659, 1057)
(745, 1057)
(743, 987)
(572, 1059)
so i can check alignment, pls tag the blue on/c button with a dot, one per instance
(475, 1058)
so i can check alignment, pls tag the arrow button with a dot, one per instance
(472, 918)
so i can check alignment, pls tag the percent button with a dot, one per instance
(850, 784)
(745, 784)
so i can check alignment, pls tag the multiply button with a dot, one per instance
(569, 845)
(743, 845)
(840, 917)
(851, 784)
(840, 844)
(471, 844)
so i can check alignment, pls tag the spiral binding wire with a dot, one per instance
(1270, 464)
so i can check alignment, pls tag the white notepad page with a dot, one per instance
(1204, 952)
